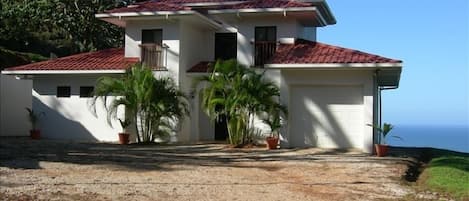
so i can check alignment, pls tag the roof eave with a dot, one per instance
(60, 72)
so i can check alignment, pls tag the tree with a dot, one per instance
(155, 105)
(61, 27)
(238, 94)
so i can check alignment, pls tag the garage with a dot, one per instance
(326, 116)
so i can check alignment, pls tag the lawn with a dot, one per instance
(448, 173)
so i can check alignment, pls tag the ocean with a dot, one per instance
(455, 138)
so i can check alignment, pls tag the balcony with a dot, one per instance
(263, 51)
(154, 55)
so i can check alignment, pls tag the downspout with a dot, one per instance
(380, 108)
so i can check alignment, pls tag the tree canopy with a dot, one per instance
(60, 27)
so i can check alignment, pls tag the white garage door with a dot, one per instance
(326, 116)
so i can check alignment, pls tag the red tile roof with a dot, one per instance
(308, 52)
(150, 6)
(267, 4)
(178, 5)
(110, 59)
(304, 51)
(201, 67)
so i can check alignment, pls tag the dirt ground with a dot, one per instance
(57, 170)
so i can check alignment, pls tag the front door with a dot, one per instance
(221, 130)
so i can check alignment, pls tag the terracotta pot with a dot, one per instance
(124, 138)
(35, 134)
(272, 142)
(381, 150)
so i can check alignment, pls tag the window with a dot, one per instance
(152, 36)
(266, 34)
(225, 46)
(86, 92)
(152, 52)
(265, 44)
(63, 91)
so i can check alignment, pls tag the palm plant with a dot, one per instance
(238, 94)
(154, 104)
(33, 117)
(384, 131)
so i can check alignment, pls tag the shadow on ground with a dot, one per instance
(24, 153)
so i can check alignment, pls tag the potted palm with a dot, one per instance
(274, 122)
(33, 117)
(382, 148)
(124, 136)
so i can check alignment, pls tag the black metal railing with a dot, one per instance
(263, 51)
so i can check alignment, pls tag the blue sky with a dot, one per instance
(432, 40)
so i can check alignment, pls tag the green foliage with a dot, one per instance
(61, 27)
(449, 174)
(125, 123)
(384, 131)
(238, 94)
(154, 104)
(33, 117)
(10, 58)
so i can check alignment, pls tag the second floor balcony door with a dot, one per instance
(152, 51)
(225, 46)
(265, 44)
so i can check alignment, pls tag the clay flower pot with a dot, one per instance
(381, 150)
(272, 142)
(124, 138)
(35, 134)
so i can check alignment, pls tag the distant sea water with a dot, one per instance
(455, 138)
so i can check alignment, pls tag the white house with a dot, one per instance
(332, 92)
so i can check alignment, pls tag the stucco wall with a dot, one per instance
(71, 117)
(196, 46)
(15, 96)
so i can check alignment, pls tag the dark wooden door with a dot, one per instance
(221, 130)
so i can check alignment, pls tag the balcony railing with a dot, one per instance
(154, 55)
(263, 51)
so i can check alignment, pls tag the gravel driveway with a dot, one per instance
(57, 170)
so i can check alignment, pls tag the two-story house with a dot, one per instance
(332, 93)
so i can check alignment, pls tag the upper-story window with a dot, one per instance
(152, 50)
(225, 46)
(265, 44)
(152, 36)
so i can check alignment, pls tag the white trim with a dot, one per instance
(144, 13)
(210, 21)
(344, 65)
(45, 72)
(260, 10)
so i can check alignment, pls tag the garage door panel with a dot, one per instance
(326, 116)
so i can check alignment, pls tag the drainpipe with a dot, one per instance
(380, 108)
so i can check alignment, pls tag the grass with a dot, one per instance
(448, 173)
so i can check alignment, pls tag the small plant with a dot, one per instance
(126, 123)
(274, 123)
(273, 119)
(34, 117)
(384, 131)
